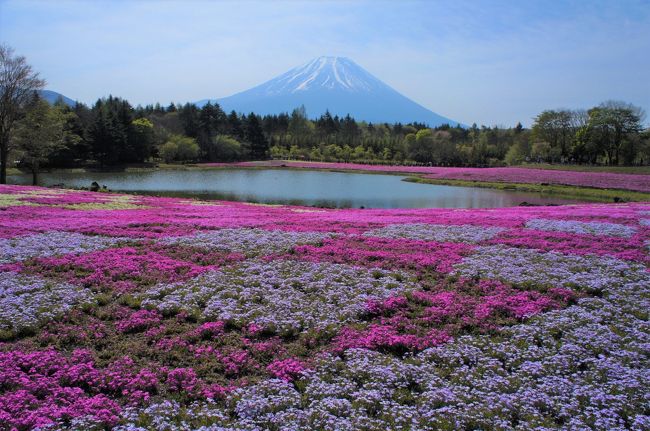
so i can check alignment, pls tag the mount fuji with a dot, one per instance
(336, 84)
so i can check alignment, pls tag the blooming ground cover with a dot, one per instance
(138, 313)
(600, 180)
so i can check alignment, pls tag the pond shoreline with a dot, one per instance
(320, 188)
(565, 191)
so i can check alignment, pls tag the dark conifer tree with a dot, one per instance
(219, 119)
(235, 128)
(259, 146)
(206, 127)
(104, 135)
(189, 117)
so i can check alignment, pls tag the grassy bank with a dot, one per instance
(639, 170)
(568, 192)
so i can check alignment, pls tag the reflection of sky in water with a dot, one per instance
(298, 187)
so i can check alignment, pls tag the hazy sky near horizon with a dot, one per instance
(489, 62)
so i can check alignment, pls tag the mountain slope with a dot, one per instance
(53, 96)
(336, 84)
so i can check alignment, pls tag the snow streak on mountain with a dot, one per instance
(336, 84)
(326, 72)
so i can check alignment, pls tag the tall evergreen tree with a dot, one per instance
(189, 117)
(235, 128)
(107, 135)
(259, 146)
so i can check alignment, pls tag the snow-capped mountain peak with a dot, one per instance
(326, 73)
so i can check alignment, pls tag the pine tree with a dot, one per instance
(259, 146)
(189, 118)
(235, 128)
(107, 135)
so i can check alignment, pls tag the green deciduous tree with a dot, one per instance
(179, 149)
(142, 137)
(557, 128)
(420, 146)
(611, 125)
(39, 134)
(225, 149)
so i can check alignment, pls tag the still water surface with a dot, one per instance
(296, 187)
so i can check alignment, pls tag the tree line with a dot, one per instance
(112, 132)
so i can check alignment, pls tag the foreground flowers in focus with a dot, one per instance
(154, 313)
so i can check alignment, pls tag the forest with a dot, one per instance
(112, 133)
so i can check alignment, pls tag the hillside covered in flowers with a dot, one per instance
(138, 313)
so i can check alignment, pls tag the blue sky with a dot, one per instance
(489, 62)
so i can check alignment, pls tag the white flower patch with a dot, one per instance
(50, 244)
(28, 301)
(284, 296)
(525, 266)
(645, 222)
(251, 242)
(437, 232)
(580, 227)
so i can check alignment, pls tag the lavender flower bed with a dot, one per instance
(526, 267)
(50, 244)
(251, 242)
(283, 296)
(440, 233)
(28, 301)
(588, 228)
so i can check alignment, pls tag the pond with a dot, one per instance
(295, 187)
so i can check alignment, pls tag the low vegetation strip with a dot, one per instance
(178, 314)
(599, 180)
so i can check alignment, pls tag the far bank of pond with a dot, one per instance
(297, 187)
